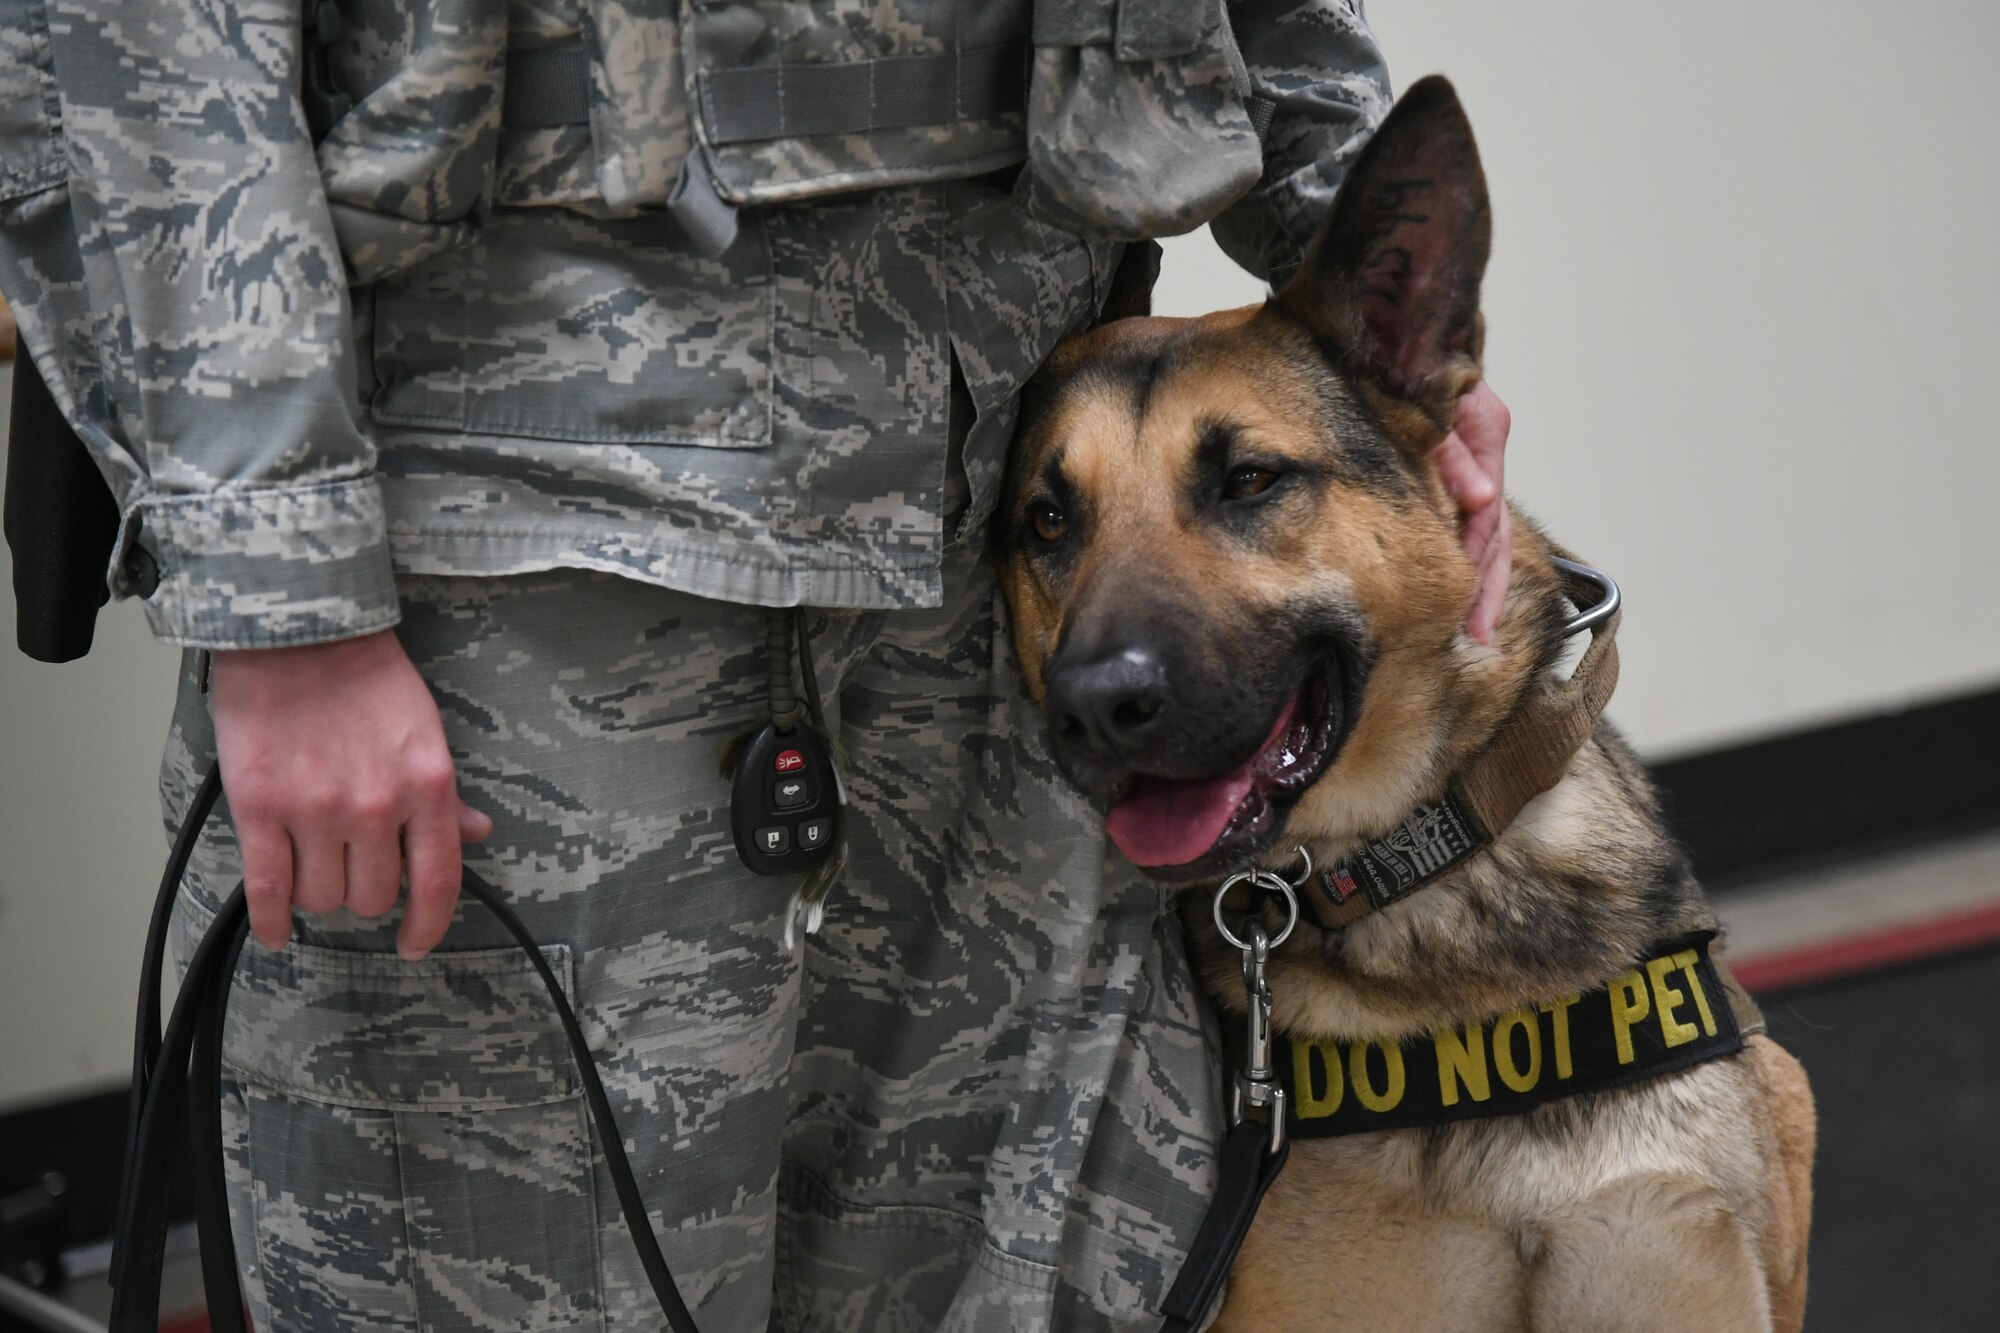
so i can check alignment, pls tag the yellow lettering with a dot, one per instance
(1364, 1087)
(1685, 960)
(1314, 1063)
(1462, 1058)
(1665, 1000)
(1515, 1077)
(1629, 1004)
(1558, 1010)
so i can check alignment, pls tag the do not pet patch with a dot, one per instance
(1669, 1011)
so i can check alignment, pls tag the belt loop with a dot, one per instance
(710, 221)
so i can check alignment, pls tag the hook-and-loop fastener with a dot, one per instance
(548, 87)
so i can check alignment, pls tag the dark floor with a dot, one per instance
(1906, 1069)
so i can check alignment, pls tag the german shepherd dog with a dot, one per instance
(1237, 592)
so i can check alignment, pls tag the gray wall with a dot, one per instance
(80, 846)
(1742, 305)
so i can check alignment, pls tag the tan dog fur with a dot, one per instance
(1681, 1203)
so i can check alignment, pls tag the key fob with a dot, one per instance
(784, 807)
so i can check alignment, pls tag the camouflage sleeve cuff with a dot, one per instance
(260, 568)
(1268, 231)
(1251, 234)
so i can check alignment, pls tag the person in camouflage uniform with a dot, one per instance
(470, 439)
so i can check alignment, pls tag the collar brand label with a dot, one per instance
(1431, 839)
(1668, 1012)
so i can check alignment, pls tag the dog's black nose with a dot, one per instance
(1108, 706)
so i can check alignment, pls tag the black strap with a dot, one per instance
(146, 1039)
(205, 1160)
(61, 523)
(177, 1092)
(1248, 1169)
(141, 1246)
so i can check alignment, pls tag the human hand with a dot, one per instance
(339, 779)
(1472, 462)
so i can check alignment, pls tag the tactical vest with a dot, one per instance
(1133, 118)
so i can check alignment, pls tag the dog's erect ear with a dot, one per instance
(1392, 280)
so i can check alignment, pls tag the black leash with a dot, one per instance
(1249, 1165)
(177, 1107)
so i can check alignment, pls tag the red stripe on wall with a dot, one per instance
(1846, 955)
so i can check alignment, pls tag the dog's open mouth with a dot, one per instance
(1183, 828)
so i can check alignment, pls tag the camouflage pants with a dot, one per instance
(981, 1098)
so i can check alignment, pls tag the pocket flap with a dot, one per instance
(1075, 22)
(409, 169)
(562, 327)
(458, 1031)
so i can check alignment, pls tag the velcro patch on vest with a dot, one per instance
(1668, 1012)
(1432, 839)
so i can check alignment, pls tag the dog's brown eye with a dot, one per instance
(1050, 523)
(1247, 481)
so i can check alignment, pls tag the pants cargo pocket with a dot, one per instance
(410, 1143)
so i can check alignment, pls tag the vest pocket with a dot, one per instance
(798, 99)
(638, 113)
(1138, 124)
(558, 326)
(409, 167)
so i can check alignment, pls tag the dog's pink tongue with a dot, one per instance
(1164, 823)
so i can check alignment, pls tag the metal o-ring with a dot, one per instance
(1305, 868)
(1268, 882)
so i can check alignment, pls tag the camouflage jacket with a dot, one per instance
(673, 290)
